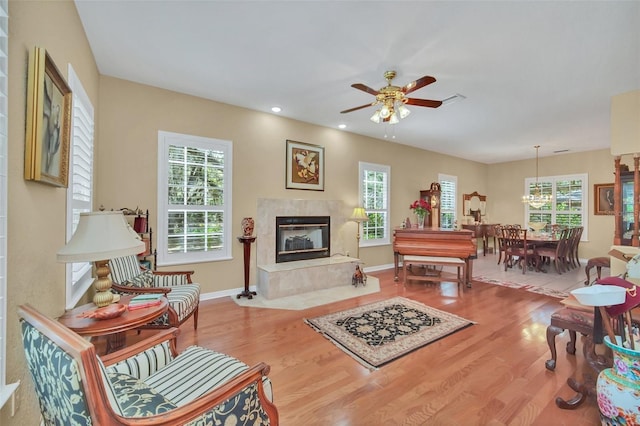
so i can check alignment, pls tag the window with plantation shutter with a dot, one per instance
(79, 192)
(569, 201)
(6, 390)
(449, 188)
(194, 199)
(374, 193)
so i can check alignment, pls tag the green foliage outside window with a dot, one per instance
(195, 179)
(566, 209)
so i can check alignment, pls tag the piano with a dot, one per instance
(435, 242)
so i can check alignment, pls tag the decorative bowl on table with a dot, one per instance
(600, 295)
(537, 226)
(107, 312)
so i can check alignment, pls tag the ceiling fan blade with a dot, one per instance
(364, 88)
(424, 102)
(356, 108)
(419, 83)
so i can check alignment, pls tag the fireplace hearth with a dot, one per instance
(302, 237)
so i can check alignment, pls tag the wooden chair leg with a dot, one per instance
(552, 332)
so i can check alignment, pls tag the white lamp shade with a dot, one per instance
(100, 236)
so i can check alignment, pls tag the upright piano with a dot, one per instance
(435, 242)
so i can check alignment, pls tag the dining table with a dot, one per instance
(536, 239)
(543, 238)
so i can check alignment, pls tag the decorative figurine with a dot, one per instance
(359, 277)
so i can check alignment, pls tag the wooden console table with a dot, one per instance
(114, 328)
(483, 232)
(247, 241)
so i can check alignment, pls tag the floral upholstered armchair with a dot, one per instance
(147, 383)
(182, 294)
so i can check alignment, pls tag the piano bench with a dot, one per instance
(459, 264)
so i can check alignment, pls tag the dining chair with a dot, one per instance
(573, 249)
(498, 241)
(517, 249)
(558, 251)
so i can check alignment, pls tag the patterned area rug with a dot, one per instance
(381, 332)
(531, 288)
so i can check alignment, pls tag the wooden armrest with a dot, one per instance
(140, 290)
(141, 346)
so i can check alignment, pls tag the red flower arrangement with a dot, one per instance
(421, 207)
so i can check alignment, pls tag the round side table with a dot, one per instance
(114, 328)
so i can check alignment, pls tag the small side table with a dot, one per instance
(247, 241)
(114, 328)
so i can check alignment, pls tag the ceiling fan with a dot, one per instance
(393, 99)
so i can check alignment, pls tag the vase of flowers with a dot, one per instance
(421, 208)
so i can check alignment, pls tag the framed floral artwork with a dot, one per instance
(48, 122)
(305, 166)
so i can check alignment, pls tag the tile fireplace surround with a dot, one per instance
(290, 278)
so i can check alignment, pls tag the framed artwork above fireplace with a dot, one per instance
(305, 166)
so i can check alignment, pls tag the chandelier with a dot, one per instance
(392, 100)
(537, 199)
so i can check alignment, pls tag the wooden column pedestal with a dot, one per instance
(247, 241)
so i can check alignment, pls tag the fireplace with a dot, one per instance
(302, 237)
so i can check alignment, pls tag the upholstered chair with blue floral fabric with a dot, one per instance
(145, 383)
(182, 294)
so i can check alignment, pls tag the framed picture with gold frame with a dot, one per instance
(305, 166)
(48, 125)
(603, 196)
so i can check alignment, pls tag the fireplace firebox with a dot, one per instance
(302, 237)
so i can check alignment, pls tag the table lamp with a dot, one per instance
(359, 215)
(101, 236)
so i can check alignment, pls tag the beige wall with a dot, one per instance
(506, 183)
(36, 216)
(129, 116)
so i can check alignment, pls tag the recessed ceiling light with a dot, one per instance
(342, 126)
(276, 109)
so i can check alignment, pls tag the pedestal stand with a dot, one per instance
(247, 241)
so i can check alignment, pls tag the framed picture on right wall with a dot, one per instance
(603, 196)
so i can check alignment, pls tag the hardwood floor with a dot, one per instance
(491, 373)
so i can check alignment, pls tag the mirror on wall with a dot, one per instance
(475, 205)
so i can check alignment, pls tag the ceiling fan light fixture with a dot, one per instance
(376, 117)
(393, 119)
(385, 112)
(403, 111)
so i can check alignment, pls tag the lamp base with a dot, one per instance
(103, 296)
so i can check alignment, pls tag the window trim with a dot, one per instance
(362, 167)
(164, 140)
(75, 290)
(7, 390)
(451, 178)
(583, 177)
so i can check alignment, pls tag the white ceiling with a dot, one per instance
(532, 72)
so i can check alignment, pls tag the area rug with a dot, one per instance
(527, 287)
(380, 332)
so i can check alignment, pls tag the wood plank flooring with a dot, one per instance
(491, 373)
